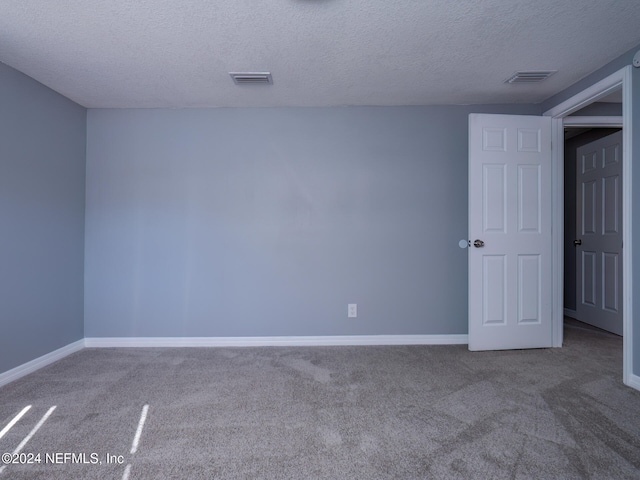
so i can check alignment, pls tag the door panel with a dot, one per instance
(529, 201)
(529, 288)
(610, 265)
(510, 211)
(494, 270)
(588, 278)
(599, 229)
(611, 196)
(588, 207)
(495, 201)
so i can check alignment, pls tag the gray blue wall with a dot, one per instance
(42, 172)
(251, 222)
(605, 71)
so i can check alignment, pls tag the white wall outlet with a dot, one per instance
(352, 310)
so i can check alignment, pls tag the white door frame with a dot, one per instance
(619, 79)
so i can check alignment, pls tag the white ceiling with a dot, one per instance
(177, 53)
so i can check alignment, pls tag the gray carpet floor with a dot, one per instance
(332, 413)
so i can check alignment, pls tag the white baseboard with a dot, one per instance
(38, 363)
(634, 381)
(570, 313)
(105, 342)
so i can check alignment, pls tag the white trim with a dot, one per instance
(634, 381)
(109, 342)
(40, 362)
(620, 79)
(603, 122)
(592, 94)
(570, 313)
(627, 256)
(557, 232)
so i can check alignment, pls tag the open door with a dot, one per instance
(598, 239)
(510, 230)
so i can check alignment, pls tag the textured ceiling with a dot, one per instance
(177, 53)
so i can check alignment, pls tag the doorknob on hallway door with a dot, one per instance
(577, 242)
(478, 243)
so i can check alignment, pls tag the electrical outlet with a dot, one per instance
(352, 310)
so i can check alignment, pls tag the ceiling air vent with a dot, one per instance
(251, 78)
(530, 77)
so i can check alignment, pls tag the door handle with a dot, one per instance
(478, 243)
(577, 242)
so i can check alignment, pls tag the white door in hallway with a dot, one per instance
(510, 232)
(599, 233)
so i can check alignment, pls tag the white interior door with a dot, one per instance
(510, 215)
(599, 233)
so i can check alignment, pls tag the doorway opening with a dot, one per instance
(593, 215)
(619, 81)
